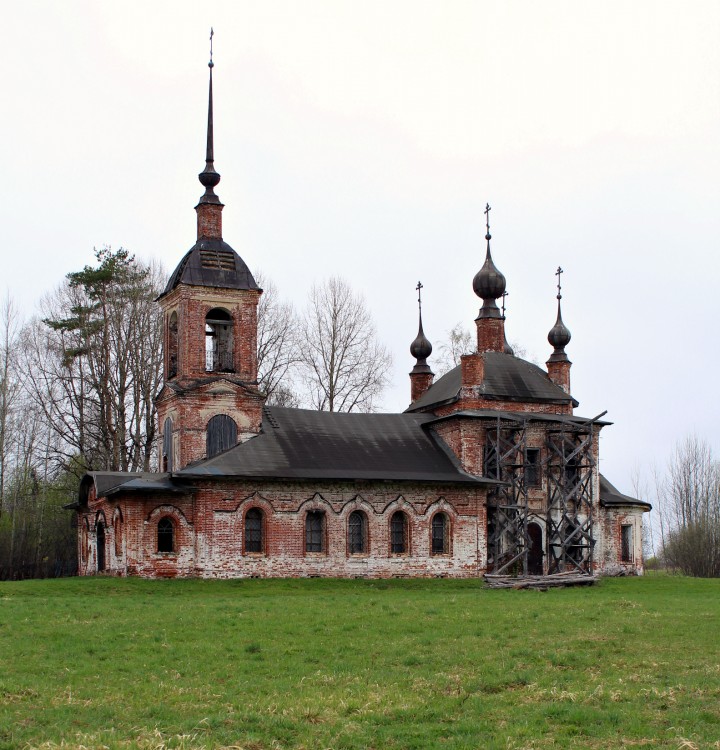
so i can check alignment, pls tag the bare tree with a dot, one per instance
(689, 507)
(458, 342)
(277, 342)
(9, 388)
(344, 366)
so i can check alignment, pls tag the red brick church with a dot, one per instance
(488, 469)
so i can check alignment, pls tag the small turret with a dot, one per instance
(489, 285)
(421, 376)
(559, 337)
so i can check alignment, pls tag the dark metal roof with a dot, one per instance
(108, 483)
(303, 444)
(507, 378)
(212, 262)
(610, 495)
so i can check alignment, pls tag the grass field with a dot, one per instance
(317, 663)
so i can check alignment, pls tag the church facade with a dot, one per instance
(489, 470)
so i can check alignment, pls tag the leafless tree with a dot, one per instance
(689, 508)
(277, 352)
(9, 388)
(458, 342)
(344, 366)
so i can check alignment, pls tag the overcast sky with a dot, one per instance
(364, 138)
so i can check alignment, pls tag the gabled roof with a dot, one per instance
(506, 378)
(108, 483)
(610, 495)
(304, 444)
(213, 263)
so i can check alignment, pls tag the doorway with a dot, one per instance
(100, 547)
(535, 551)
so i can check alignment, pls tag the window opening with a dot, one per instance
(398, 533)
(253, 530)
(439, 535)
(118, 529)
(168, 445)
(357, 533)
(100, 547)
(173, 346)
(165, 534)
(221, 434)
(219, 341)
(626, 543)
(315, 531)
(532, 468)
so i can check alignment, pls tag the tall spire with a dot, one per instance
(209, 178)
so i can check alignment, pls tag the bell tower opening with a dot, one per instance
(219, 341)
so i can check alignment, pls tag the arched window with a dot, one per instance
(165, 535)
(172, 346)
(440, 535)
(398, 533)
(357, 533)
(315, 531)
(118, 533)
(254, 530)
(219, 341)
(221, 434)
(167, 459)
(84, 540)
(100, 537)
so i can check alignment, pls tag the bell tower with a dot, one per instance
(209, 400)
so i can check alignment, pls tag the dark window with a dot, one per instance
(100, 547)
(118, 530)
(254, 530)
(398, 533)
(532, 468)
(168, 445)
(626, 543)
(315, 531)
(165, 533)
(173, 345)
(221, 434)
(357, 533)
(440, 540)
(219, 341)
(490, 461)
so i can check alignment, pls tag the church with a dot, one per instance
(488, 470)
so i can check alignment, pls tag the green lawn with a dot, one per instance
(254, 664)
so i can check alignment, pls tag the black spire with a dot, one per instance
(559, 336)
(420, 348)
(209, 178)
(489, 283)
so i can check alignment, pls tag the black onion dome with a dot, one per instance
(489, 283)
(421, 348)
(559, 336)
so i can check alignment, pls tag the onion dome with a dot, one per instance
(559, 336)
(420, 348)
(489, 283)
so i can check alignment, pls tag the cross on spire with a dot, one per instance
(487, 222)
(504, 294)
(418, 288)
(212, 34)
(559, 286)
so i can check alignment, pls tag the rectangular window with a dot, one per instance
(532, 468)
(626, 543)
(314, 531)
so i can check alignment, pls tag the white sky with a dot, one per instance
(364, 138)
